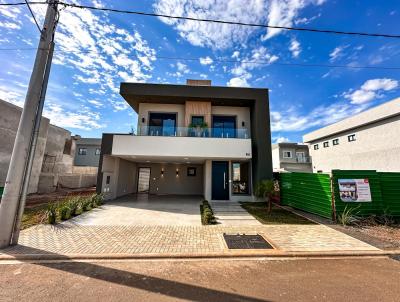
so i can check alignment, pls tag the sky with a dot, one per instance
(96, 51)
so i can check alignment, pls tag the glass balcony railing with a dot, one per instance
(303, 159)
(193, 132)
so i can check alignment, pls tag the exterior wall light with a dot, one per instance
(177, 172)
(162, 172)
(243, 124)
(143, 120)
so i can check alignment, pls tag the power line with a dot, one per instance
(255, 62)
(33, 16)
(303, 29)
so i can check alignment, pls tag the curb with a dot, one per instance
(252, 254)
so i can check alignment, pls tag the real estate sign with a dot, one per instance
(354, 190)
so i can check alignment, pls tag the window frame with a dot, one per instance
(248, 188)
(325, 144)
(289, 151)
(80, 151)
(316, 146)
(351, 138)
(335, 142)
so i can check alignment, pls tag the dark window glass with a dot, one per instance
(97, 152)
(351, 138)
(197, 121)
(162, 124)
(224, 126)
(240, 183)
(108, 180)
(316, 147)
(82, 151)
(326, 144)
(335, 142)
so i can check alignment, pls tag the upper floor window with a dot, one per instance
(82, 151)
(335, 142)
(197, 121)
(326, 144)
(316, 147)
(351, 138)
(97, 152)
(287, 154)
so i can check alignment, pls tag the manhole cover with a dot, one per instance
(242, 241)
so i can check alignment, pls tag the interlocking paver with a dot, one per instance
(80, 239)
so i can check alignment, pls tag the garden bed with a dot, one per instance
(278, 215)
(59, 210)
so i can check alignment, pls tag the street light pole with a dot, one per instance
(18, 171)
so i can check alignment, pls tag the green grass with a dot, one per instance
(277, 216)
(33, 216)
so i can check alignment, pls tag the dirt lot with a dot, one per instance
(34, 200)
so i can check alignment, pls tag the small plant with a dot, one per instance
(207, 214)
(74, 206)
(65, 212)
(386, 218)
(97, 199)
(265, 189)
(348, 217)
(86, 204)
(51, 213)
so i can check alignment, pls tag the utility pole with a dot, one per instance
(13, 200)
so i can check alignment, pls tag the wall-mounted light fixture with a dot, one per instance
(162, 172)
(243, 123)
(143, 120)
(177, 172)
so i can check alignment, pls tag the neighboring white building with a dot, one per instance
(367, 141)
(291, 157)
(191, 139)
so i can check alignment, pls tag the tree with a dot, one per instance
(265, 189)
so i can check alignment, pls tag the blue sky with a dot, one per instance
(95, 51)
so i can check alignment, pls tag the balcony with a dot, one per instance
(241, 133)
(179, 146)
(303, 159)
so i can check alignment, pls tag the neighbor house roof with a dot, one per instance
(373, 115)
(89, 141)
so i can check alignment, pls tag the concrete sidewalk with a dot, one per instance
(97, 242)
(232, 213)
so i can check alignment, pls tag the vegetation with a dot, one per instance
(62, 210)
(207, 214)
(348, 216)
(265, 189)
(277, 216)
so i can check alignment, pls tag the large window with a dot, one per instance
(240, 184)
(162, 124)
(224, 126)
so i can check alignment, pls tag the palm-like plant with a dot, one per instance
(265, 189)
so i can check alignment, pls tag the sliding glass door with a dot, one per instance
(162, 124)
(224, 126)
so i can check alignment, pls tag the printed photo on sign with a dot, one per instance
(354, 190)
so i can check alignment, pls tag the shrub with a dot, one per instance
(348, 217)
(65, 212)
(74, 205)
(97, 199)
(51, 213)
(86, 203)
(265, 189)
(207, 214)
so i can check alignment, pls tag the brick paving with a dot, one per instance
(69, 238)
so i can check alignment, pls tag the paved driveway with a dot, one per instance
(143, 209)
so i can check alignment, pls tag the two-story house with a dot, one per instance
(192, 139)
(291, 157)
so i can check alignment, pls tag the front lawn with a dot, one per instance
(277, 216)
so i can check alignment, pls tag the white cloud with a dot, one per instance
(206, 61)
(281, 139)
(238, 82)
(183, 68)
(83, 120)
(336, 53)
(235, 54)
(371, 90)
(295, 48)
(218, 36)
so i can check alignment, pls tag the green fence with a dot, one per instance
(308, 192)
(312, 192)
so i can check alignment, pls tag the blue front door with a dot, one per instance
(220, 180)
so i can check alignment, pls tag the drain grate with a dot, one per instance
(243, 241)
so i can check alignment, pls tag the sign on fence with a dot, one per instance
(354, 190)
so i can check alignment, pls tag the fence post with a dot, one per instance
(333, 199)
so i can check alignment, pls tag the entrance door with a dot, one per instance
(220, 180)
(143, 180)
